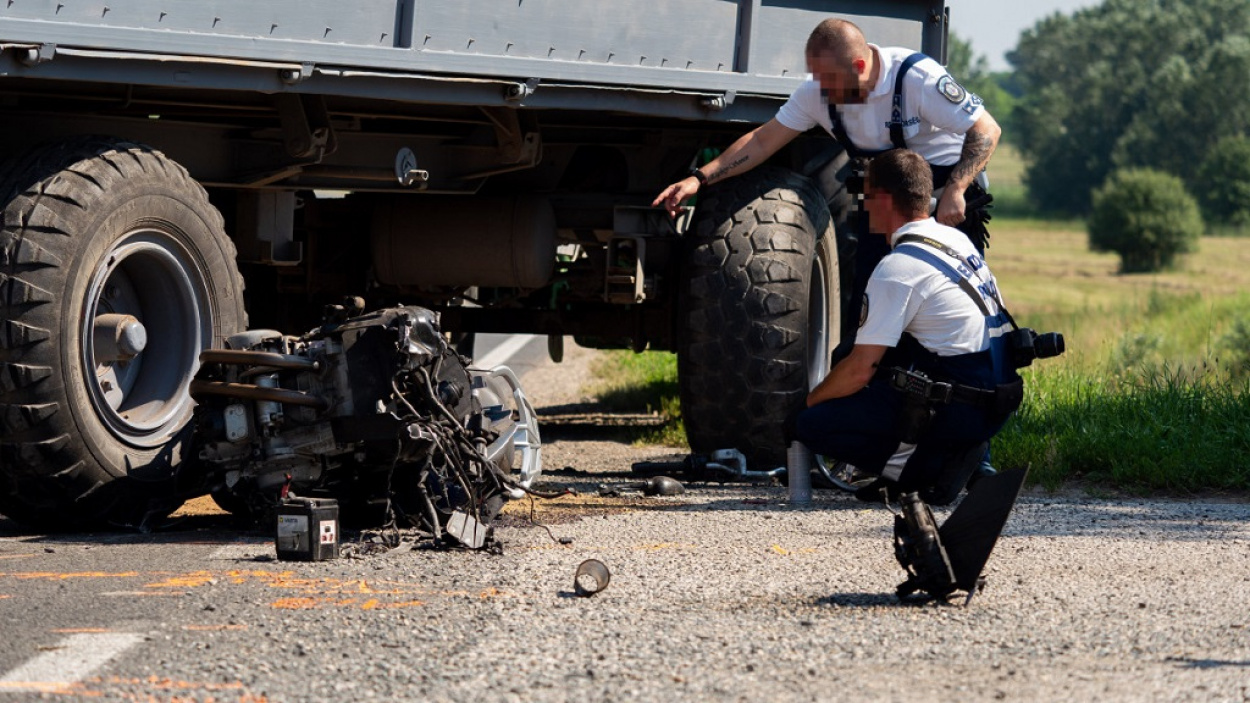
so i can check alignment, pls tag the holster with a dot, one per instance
(922, 394)
(915, 417)
(1007, 397)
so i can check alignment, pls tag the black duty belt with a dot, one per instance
(919, 385)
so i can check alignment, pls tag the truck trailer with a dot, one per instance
(176, 173)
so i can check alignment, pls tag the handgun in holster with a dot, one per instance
(920, 395)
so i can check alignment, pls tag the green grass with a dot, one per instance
(1152, 395)
(647, 383)
(1157, 431)
(1006, 174)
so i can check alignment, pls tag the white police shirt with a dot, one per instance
(937, 111)
(907, 294)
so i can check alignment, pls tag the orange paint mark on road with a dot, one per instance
(17, 556)
(781, 550)
(295, 603)
(309, 592)
(40, 686)
(166, 683)
(194, 579)
(353, 603)
(5, 595)
(167, 690)
(75, 630)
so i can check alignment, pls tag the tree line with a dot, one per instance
(1153, 93)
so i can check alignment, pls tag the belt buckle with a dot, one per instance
(941, 392)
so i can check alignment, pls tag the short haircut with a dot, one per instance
(905, 175)
(838, 38)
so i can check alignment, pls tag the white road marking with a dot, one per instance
(502, 353)
(71, 661)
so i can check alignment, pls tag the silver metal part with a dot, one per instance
(235, 416)
(406, 171)
(499, 392)
(591, 577)
(467, 530)
(268, 413)
(625, 279)
(732, 462)
(118, 337)
(799, 468)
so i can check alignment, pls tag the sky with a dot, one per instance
(994, 26)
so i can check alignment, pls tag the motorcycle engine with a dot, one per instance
(375, 410)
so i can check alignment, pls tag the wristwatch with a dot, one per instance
(699, 176)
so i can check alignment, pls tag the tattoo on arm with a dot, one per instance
(723, 172)
(976, 153)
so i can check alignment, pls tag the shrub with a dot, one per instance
(1225, 182)
(1146, 217)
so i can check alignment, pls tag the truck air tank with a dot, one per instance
(503, 241)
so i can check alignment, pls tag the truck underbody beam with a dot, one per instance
(635, 327)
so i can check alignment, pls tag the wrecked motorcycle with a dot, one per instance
(374, 410)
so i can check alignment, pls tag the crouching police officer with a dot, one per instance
(929, 379)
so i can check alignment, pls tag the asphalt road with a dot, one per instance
(726, 592)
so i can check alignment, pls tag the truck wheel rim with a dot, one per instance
(817, 325)
(148, 276)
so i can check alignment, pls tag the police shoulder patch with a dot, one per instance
(863, 311)
(951, 90)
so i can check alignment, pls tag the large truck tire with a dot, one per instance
(115, 273)
(760, 312)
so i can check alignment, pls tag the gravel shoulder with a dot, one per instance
(724, 593)
(729, 592)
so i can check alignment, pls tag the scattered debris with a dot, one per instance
(592, 576)
(308, 529)
(720, 465)
(654, 486)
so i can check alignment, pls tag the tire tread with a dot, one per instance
(47, 476)
(742, 364)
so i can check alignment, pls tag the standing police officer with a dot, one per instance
(871, 99)
(933, 303)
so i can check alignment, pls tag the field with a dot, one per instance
(1152, 393)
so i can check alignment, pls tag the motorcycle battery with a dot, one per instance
(308, 529)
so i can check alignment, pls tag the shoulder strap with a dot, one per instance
(951, 273)
(954, 274)
(839, 133)
(896, 115)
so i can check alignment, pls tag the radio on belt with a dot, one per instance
(308, 529)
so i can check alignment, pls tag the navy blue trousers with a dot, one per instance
(862, 429)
